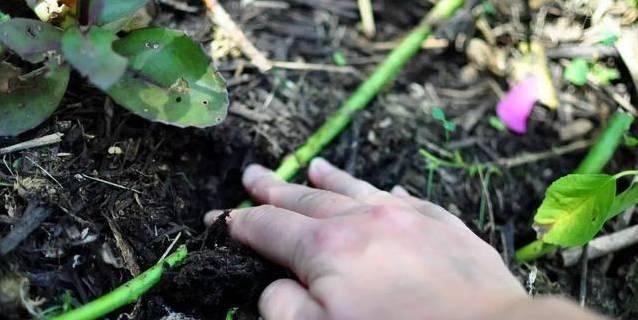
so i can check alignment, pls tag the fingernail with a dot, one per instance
(211, 216)
(399, 191)
(253, 173)
(321, 166)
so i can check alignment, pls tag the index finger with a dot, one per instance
(277, 234)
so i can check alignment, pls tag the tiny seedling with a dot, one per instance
(576, 72)
(483, 171)
(497, 124)
(630, 141)
(157, 73)
(448, 126)
(340, 59)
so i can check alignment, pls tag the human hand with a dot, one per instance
(361, 253)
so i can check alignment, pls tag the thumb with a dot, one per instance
(286, 299)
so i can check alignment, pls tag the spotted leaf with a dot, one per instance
(31, 39)
(91, 54)
(169, 79)
(27, 101)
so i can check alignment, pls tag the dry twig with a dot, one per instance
(34, 143)
(221, 18)
(367, 18)
(602, 245)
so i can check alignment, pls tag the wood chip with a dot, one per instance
(628, 50)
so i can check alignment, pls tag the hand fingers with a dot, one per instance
(286, 299)
(427, 208)
(276, 233)
(266, 188)
(324, 175)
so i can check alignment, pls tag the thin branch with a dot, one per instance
(34, 143)
(367, 18)
(221, 18)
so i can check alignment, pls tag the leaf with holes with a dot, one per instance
(91, 54)
(169, 79)
(31, 99)
(575, 208)
(100, 12)
(31, 39)
(3, 18)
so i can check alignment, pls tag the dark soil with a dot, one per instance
(98, 234)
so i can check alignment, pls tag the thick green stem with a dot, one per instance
(533, 251)
(624, 201)
(126, 293)
(384, 74)
(625, 174)
(594, 162)
(606, 145)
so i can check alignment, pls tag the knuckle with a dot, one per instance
(239, 219)
(389, 215)
(311, 196)
(333, 238)
(317, 198)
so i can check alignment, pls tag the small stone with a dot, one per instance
(115, 150)
(575, 129)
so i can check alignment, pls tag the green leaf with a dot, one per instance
(610, 38)
(339, 59)
(93, 56)
(630, 141)
(4, 17)
(28, 103)
(30, 39)
(449, 126)
(624, 201)
(604, 75)
(576, 72)
(100, 12)
(497, 123)
(575, 208)
(438, 114)
(169, 79)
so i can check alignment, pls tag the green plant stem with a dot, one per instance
(626, 173)
(384, 74)
(594, 162)
(126, 293)
(624, 201)
(606, 145)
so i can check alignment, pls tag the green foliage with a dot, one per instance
(159, 74)
(576, 72)
(575, 209)
(340, 59)
(172, 80)
(448, 126)
(231, 313)
(497, 123)
(630, 141)
(100, 12)
(92, 55)
(604, 75)
(26, 103)
(32, 40)
(577, 206)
